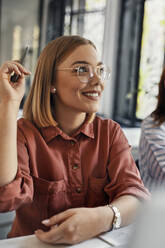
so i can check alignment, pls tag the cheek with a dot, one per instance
(61, 85)
(68, 86)
(78, 90)
(74, 93)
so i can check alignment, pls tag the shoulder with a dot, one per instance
(106, 123)
(24, 124)
(152, 134)
(26, 129)
(110, 129)
(148, 122)
(149, 126)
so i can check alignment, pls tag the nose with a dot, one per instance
(94, 78)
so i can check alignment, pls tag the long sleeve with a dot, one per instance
(20, 190)
(124, 175)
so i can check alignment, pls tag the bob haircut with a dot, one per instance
(159, 113)
(39, 104)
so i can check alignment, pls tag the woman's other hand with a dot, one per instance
(75, 225)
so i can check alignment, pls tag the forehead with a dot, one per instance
(82, 53)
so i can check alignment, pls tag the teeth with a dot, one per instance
(92, 94)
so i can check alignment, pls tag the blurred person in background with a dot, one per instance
(68, 173)
(152, 143)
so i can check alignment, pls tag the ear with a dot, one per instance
(53, 89)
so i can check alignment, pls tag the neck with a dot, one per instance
(69, 122)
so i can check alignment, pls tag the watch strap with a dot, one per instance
(117, 217)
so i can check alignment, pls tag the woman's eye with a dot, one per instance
(83, 69)
(101, 70)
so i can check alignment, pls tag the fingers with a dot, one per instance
(52, 236)
(11, 67)
(63, 234)
(59, 218)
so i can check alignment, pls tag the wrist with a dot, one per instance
(116, 223)
(105, 218)
(11, 107)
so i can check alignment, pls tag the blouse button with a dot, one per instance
(75, 167)
(78, 190)
(72, 142)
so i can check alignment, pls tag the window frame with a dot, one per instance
(128, 62)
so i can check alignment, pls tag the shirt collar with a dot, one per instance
(51, 132)
(87, 129)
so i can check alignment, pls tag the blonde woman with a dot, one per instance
(68, 173)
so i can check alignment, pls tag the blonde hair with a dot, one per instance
(39, 102)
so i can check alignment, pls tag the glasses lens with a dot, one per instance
(83, 73)
(103, 72)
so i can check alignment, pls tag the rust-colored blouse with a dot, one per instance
(57, 172)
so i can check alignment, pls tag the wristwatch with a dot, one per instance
(117, 217)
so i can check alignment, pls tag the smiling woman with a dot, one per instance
(74, 97)
(70, 175)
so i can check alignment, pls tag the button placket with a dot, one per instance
(75, 166)
(72, 142)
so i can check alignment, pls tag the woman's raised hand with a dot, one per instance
(9, 91)
(10, 97)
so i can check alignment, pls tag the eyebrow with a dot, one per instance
(85, 62)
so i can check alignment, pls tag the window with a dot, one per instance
(86, 18)
(152, 56)
(128, 58)
(140, 59)
(20, 27)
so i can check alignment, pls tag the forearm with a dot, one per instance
(8, 141)
(78, 224)
(127, 206)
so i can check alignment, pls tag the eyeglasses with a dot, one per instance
(85, 72)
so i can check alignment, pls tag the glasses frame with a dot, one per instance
(91, 72)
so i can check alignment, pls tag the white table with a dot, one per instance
(106, 240)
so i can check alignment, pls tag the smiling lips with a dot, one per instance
(93, 95)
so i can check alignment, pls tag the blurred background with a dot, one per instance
(129, 35)
(130, 38)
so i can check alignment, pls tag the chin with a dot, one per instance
(92, 111)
